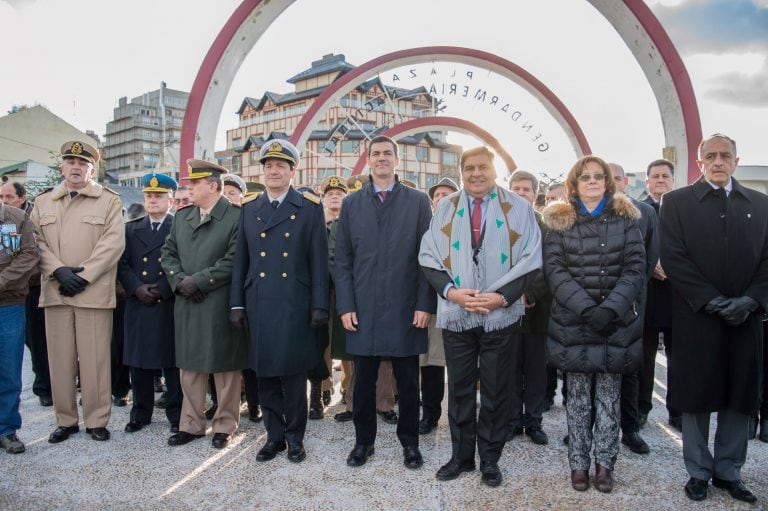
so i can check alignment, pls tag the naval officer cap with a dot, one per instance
(280, 149)
(199, 169)
(77, 149)
(158, 183)
(236, 181)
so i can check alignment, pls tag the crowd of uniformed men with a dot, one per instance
(248, 292)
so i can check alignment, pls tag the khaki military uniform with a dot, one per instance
(81, 231)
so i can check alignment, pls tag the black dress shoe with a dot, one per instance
(182, 437)
(426, 425)
(210, 412)
(491, 475)
(254, 414)
(736, 488)
(174, 427)
(134, 426)
(327, 397)
(389, 417)
(296, 452)
(62, 433)
(220, 440)
(121, 401)
(412, 457)
(98, 434)
(512, 432)
(696, 489)
(359, 455)
(454, 469)
(270, 450)
(635, 442)
(537, 435)
(315, 411)
(46, 401)
(343, 417)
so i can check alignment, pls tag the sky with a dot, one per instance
(78, 57)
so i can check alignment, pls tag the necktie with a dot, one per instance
(72, 195)
(383, 195)
(477, 219)
(275, 204)
(155, 226)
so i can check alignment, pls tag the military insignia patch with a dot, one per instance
(275, 148)
(333, 182)
(76, 148)
(153, 182)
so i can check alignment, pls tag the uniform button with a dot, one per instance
(143, 273)
(159, 273)
(285, 254)
(602, 244)
(262, 275)
(287, 234)
(212, 281)
(171, 272)
(602, 271)
(263, 254)
(293, 217)
(285, 275)
(159, 301)
(263, 234)
(159, 259)
(145, 259)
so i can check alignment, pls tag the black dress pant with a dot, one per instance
(432, 392)
(121, 382)
(529, 381)
(647, 373)
(35, 340)
(143, 385)
(406, 371)
(497, 352)
(251, 384)
(549, 393)
(284, 407)
(630, 413)
(764, 394)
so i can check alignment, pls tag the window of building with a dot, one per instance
(450, 159)
(324, 173)
(350, 146)
(413, 176)
(253, 157)
(430, 180)
(422, 153)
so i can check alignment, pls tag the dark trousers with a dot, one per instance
(121, 382)
(497, 353)
(764, 394)
(647, 373)
(630, 412)
(549, 393)
(406, 370)
(143, 385)
(251, 384)
(284, 406)
(529, 381)
(432, 392)
(35, 340)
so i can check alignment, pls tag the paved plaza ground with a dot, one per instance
(140, 471)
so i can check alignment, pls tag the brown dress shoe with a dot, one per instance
(603, 479)
(580, 480)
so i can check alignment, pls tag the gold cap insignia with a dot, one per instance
(153, 182)
(333, 182)
(276, 147)
(358, 184)
(76, 148)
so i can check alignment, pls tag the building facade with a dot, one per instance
(144, 135)
(338, 141)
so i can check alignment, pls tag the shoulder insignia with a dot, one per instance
(135, 219)
(249, 199)
(310, 197)
(44, 191)
(110, 190)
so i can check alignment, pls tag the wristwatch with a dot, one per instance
(504, 302)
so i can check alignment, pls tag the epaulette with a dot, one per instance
(110, 190)
(249, 198)
(44, 191)
(134, 219)
(311, 197)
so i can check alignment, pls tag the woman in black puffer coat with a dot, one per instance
(594, 263)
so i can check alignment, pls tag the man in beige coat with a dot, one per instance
(80, 236)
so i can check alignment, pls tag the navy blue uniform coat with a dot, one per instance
(280, 275)
(149, 333)
(377, 270)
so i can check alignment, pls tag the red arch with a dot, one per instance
(426, 123)
(425, 54)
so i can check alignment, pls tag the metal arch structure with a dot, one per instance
(632, 19)
(442, 123)
(483, 59)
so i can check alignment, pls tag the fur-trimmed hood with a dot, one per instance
(560, 216)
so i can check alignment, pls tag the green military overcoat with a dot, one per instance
(205, 340)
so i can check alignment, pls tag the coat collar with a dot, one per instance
(701, 188)
(92, 189)
(293, 201)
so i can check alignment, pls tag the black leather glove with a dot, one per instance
(69, 283)
(319, 318)
(717, 305)
(738, 310)
(147, 294)
(238, 319)
(602, 320)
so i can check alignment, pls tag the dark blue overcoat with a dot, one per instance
(377, 270)
(280, 275)
(149, 332)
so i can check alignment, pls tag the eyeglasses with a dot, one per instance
(585, 178)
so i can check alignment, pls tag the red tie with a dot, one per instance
(477, 220)
(383, 195)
